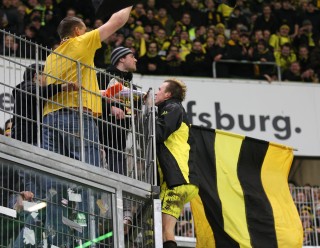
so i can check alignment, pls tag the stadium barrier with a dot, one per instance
(255, 70)
(75, 196)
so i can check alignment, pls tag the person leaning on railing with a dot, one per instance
(113, 130)
(80, 46)
(176, 168)
(25, 110)
(263, 53)
(62, 111)
(123, 65)
(285, 56)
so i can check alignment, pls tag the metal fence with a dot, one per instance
(47, 200)
(68, 113)
(74, 172)
(248, 68)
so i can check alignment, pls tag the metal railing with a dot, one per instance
(118, 145)
(258, 63)
(73, 204)
(92, 174)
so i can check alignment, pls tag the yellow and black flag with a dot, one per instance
(244, 198)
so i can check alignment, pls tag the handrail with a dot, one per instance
(233, 61)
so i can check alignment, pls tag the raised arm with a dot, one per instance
(116, 21)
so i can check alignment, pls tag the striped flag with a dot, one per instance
(244, 198)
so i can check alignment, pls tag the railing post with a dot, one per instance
(157, 223)
(279, 73)
(133, 128)
(214, 72)
(91, 217)
(314, 217)
(154, 140)
(79, 78)
(38, 98)
(118, 216)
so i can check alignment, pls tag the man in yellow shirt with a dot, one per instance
(72, 61)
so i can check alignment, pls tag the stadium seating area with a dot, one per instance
(184, 37)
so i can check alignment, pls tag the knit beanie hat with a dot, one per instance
(118, 53)
(31, 70)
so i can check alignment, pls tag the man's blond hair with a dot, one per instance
(177, 88)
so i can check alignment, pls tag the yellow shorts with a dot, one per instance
(174, 199)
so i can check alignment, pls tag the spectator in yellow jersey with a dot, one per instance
(285, 56)
(277, 40)
(74, 41)
(225, 10)
(61, 131)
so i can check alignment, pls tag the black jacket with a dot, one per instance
(25, 109)
(175, 145)
(198, 65)
(143, 64)
(110, 135)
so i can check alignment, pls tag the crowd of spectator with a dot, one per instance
(307, 201)
(184, 37)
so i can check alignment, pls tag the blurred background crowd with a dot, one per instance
(307, 200)
(184, 37)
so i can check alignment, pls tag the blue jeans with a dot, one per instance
(61, 134)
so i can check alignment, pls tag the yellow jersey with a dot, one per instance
(61, 67)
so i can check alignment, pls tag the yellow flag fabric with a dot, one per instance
(244, 198)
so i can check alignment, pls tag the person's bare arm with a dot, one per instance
(116, 21)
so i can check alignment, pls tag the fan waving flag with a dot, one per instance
(244, 198)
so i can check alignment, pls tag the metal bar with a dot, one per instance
(155, 182)
(214, 71)
(157, 223)
(314, 216)
(79, 77)
(279, 73)
(38, 99)
(231, 61)
(92, 222)
(119, 218)
(133, 128)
